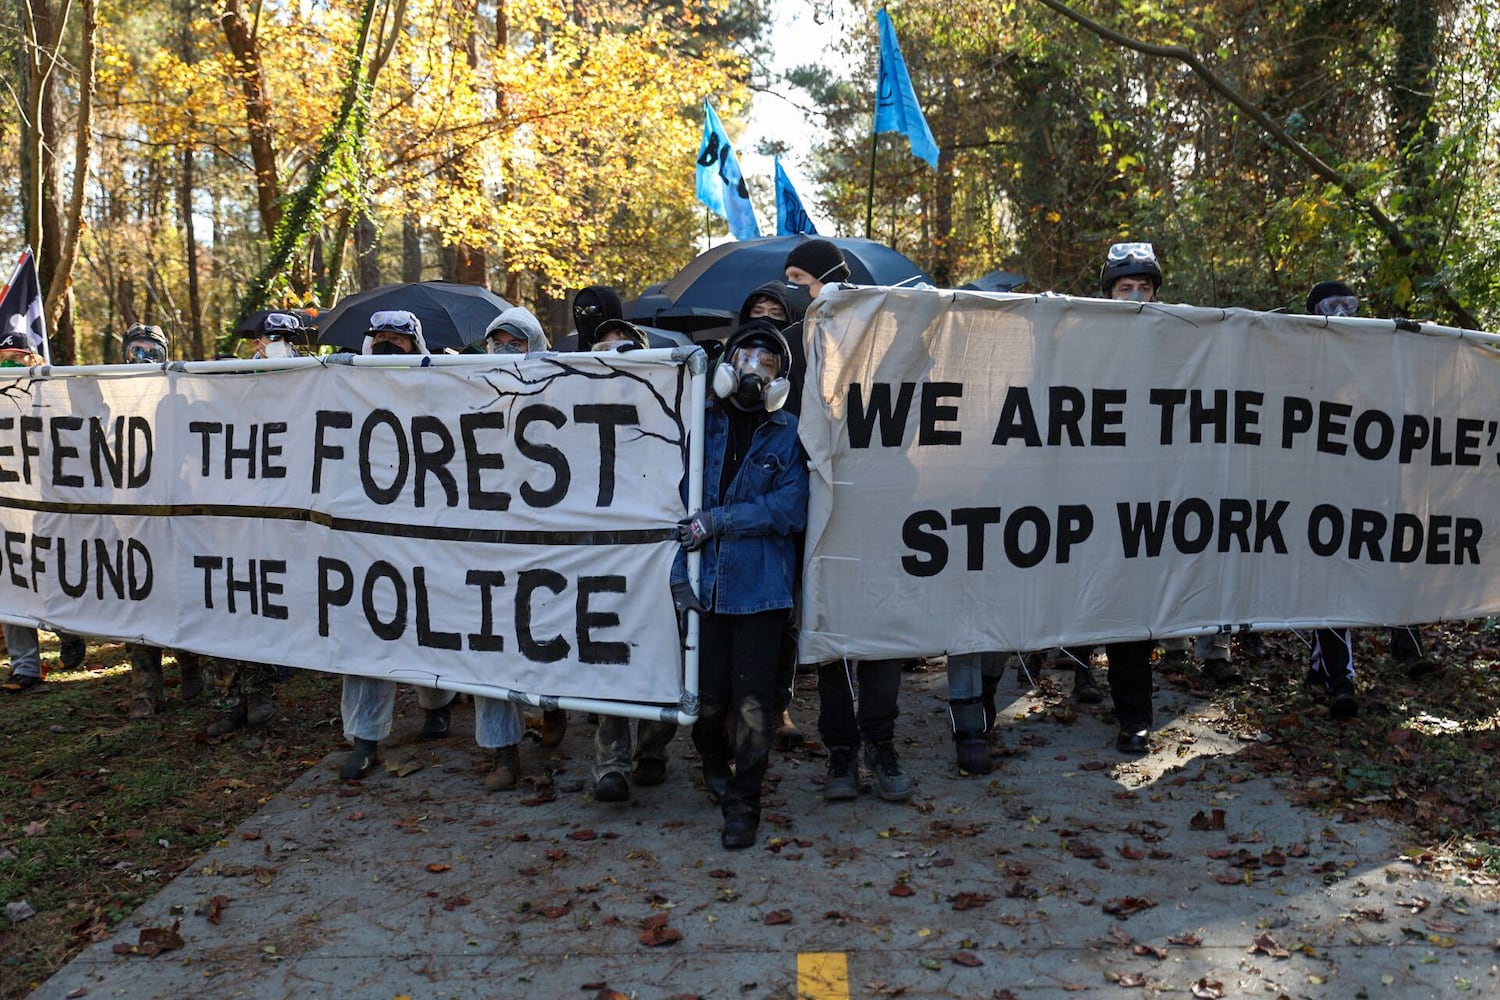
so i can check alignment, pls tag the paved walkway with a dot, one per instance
(1069, 869)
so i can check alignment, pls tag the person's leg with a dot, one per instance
(145, 679)
(497, 728)
(652, 738)
(190, 666)
(437, 713)
(966, 712)
(1212, 651)
(368, 706)
(1406, 649)
(1086, 690)
(72, 650)
(753, 655)
(1333, 664)
(1176, 652)
(710, 736)
(612, 753)
(25, 658)
(1130, 688)
(879, 707)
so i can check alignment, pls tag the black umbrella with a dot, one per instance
(995, 281)
(453, 316)
(718, 280)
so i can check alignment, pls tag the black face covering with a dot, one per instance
(750, 394)
(798, 299)
(386, 347)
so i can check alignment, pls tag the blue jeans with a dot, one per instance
(25, 651)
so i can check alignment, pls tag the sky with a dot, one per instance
(805, 32)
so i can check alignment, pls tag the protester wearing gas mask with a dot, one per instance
(277, 335)
(755, 488)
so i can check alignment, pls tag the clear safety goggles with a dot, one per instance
(1338, 305)
(762, 361)
(143, 353)
(1138, 252)
(284, 322)
(394, 321)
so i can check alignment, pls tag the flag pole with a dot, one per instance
(870, 189)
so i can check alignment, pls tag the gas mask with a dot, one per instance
(273, 346)
(751, 378)
(144, 352)
(493, 346)
(1338, 305)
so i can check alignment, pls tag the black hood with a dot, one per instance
(772, 289)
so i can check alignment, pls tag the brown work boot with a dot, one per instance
(227, 723)
(554, 727)
(143, 708)
(192, 675)
(505, 769)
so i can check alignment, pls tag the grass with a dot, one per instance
(97, 812)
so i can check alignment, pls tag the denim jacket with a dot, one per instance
(751, 565)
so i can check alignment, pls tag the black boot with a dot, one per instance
(969, 742)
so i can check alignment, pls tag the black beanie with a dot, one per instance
(819, 258)
(1326, 290)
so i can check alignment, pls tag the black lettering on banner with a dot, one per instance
(323, 420)
(205, 429)
(38, 567)
(933, 413)
(331, 595)
(1167, 401)
(1188, 539)
(62, 452)
(1017, 419)
(920, 534)
(975, 519)
(425, 635)
(1235, 518)
(1325, 519)
(208, 564)
(1468, 531)
(1385, 430)
(1415, 433)
(6, 451)
(485, 640)
(68, 586)
(1466, 447)
(544, 453)
(1108, 411)
(1075, 525)
(1407, 536)
(432, 461)
(1065, 410)
(591, 650)
(1041, 530)
(269, 451)
(387, 630)
(1332, 424)
(245, 586)
(478, 462)
(13, 542)
(891, 417)
(270, 588)
(29, 426)
(113, 462)
(532, 580)
(1247, 406)
(1366, 530)
(245, 454)
(608, 416)
(114, 570)
(1296, 418)
(1208, 416)
(388, 494)
(1141, 526)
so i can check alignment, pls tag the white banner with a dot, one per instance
(1008, 472)
(501, 524)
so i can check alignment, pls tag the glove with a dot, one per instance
(694, 532)
(684, 599)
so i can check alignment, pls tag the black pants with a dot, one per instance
(737, 673)
(1130, 683)
(839, 724)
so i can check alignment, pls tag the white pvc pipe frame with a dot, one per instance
(693, 358)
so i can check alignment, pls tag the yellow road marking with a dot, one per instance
(823, 975)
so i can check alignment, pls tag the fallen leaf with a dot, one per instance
(582, 835)
(656, 937)
(1212, 821)
(902, 889)
(216, 908)
(1131, 853)
(1208, 989)
(438, 866)
(1264, 944)
(971, 900)
(777, 917)
(1127, 906)
(967, 959)
(35, 828)
(1131, 979)
(1186, 940)
(553, 912)
(1149, 949)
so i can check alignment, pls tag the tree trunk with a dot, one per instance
(245, 48)
(411, 249)
(367, 263)
(186, 180)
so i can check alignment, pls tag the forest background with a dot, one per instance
(180, 161)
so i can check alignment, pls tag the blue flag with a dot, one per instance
(896, 107)
(721, 186)
(791, 218)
